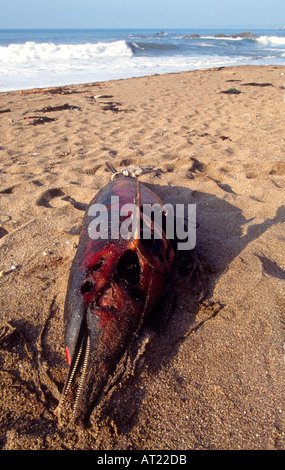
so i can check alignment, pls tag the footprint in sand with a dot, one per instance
(50, 199)
(3, 219)
(8, 190)
(278, 169)
(127, 162)
(48, 195)
(196, 168)
(3, 232)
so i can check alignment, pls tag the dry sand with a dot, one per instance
(215, 379)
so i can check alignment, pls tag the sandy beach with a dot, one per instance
(215, 378)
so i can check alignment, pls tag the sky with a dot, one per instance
(157, 14)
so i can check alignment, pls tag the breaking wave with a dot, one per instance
(32, 51)
(271, 40)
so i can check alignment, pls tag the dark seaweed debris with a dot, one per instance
(39, 120)
(111, 107)
(231, 91)
(48, 109)
(257, 84)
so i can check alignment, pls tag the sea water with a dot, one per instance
(42, 58)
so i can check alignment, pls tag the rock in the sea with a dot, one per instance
(245, 35)
(192, 36)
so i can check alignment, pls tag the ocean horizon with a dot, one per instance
(56, 57)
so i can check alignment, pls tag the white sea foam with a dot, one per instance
(228, 38)
(271, 40)
(32, 51)
(43, 73)
(206, 44)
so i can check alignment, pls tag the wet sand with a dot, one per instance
(215, 378)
